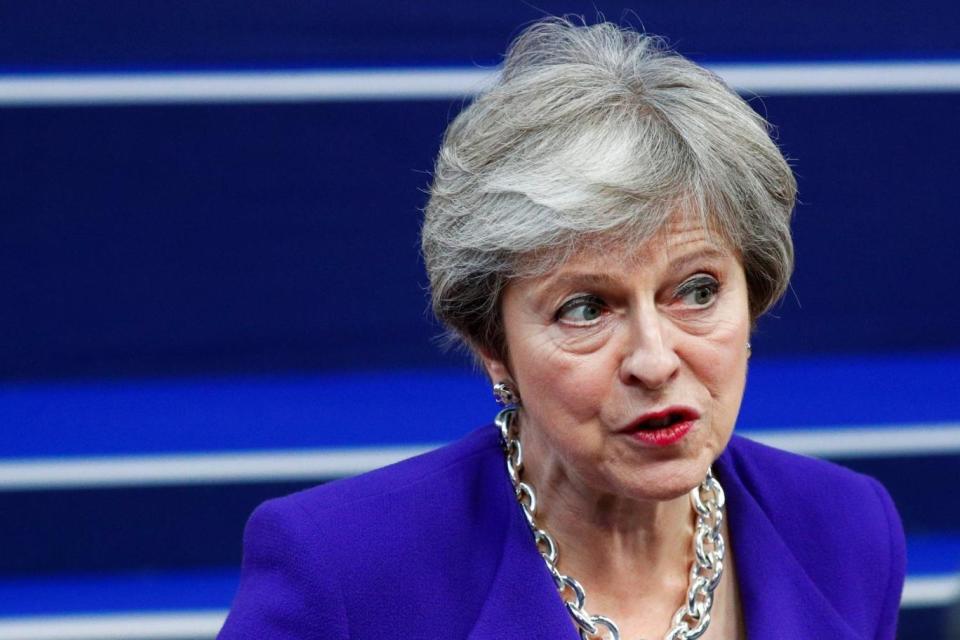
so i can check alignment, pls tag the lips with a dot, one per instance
(662, 419)
(662, 428)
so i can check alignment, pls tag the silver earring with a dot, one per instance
(749, 351)
(504, 393)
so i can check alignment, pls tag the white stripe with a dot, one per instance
(425, 84)
(842, 77)
(865, 442)
(323, 464)
(260, 86)
(936, 591)
(933, 591)
(200, 468)
(139, 626)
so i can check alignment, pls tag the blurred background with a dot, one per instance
(212, 294)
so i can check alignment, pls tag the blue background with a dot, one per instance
(219, 277)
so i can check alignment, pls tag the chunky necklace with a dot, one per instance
(693, 616)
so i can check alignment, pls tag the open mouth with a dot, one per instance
(663, 428)
(668, 420)
(663, 419)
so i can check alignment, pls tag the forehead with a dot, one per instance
(677, 239)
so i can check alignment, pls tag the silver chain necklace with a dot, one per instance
(693, 617)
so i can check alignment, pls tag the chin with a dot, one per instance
(665, 480)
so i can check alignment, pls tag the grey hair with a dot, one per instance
(596, 134)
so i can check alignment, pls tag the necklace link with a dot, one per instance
(693, 617)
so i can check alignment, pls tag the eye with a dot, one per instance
(581, 310)
(698, 291)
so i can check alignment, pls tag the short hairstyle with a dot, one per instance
(596, 134)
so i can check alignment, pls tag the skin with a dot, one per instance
(594, 345)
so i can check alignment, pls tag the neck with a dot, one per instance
(632, 556)
(623, 546)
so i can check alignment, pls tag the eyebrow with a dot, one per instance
(592, 279)
(587, 278)
(707, 253)
(543, 294)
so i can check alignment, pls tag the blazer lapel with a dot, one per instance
(777, 597)
(522, 601)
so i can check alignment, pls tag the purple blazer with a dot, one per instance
(437, 547)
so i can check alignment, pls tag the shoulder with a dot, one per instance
(764, 465)
(410, 483)
(841, 526)
(802, 490)
(432, 525)
(435, 495)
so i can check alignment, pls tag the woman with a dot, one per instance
(605, 226)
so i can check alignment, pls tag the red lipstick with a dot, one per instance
(662, 428)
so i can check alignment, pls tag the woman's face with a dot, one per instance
(630, 365)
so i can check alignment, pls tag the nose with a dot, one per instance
(649, 357)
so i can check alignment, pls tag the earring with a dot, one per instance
(504, 393)
(749, 351)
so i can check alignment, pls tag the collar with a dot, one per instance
(778, 598)
(522, 601)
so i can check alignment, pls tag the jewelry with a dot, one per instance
(505, 394)
(693, 617)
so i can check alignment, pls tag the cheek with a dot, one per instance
(723, 370)
(731, 380)
(562, 391)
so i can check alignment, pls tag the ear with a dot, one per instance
(497, 369)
